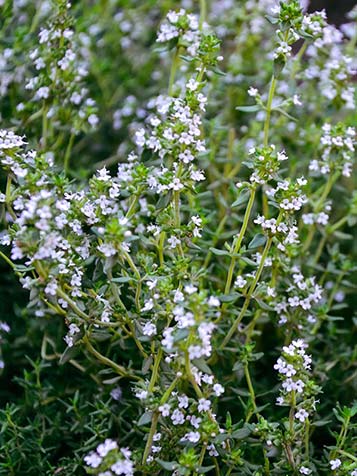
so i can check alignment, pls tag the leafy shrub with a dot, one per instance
(191, 290)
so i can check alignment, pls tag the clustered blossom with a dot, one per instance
(109, 460)
(182, 26)
(337, 150)
(190, 417)
(60, 76)
(288, 194)
(58, 218)
(302, 295)
(294, 367)
(319, 218)
(327, 64)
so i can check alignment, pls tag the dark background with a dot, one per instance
(336, 9)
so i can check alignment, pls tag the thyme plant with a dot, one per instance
(190, 303)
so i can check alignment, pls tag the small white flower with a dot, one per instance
(240, 282)
(335, 463)
(203, 405)
(253, 92)
(301, 415)
(304, 470)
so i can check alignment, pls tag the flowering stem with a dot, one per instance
(202, 455)
(341, 437)
(8, 260)
(132, 206)
(72, 304)
(137, 275)
(268, 110)
(191, 377)
(307, 439)
(292, 413)
(161, 247)
(109, 363)
(203, 13)
(44, 127)
(239, 241)
(152, 431)
(251, 390)
(67, 154)
(155, 416)
(174, 66)
(155, 370)
(8, 198)
(236, 323)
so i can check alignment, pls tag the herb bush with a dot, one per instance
(178, 212)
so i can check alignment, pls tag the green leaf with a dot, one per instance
(238, 366)
(169, 465)
(252, 108)
(241, 433)
(201, 365)
(181, 334)
(272, 20)
(243, 198)
(258, 241)
(122, 279)
(68, 354)
(164, 200)
(229, 297)
(218, 252)
(205, 469)
(321, 422)
(219, 72)
(145, 419)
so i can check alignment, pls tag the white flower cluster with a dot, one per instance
(175, 133)
(320, 218)
(337, 145)
(285, 232)
(302, 294)
(288, 194)
(60, 78)
(188, 415)
(183, 26)
(104, 466)
(327, 64)
(294, 367)
(9, 140)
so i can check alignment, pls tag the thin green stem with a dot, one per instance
(8, 198)
(251, 390)
(160, 247)
(307, 440)
(236, 323)
(8, 260)
(203, 13)
(155, 370)
(67, 154)
(292, 414)
(268, 110)
(108, 362)
(131, 209)
(44, 126)
(149, 441)
(214, 240)
(238, 243)
(174, 66)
